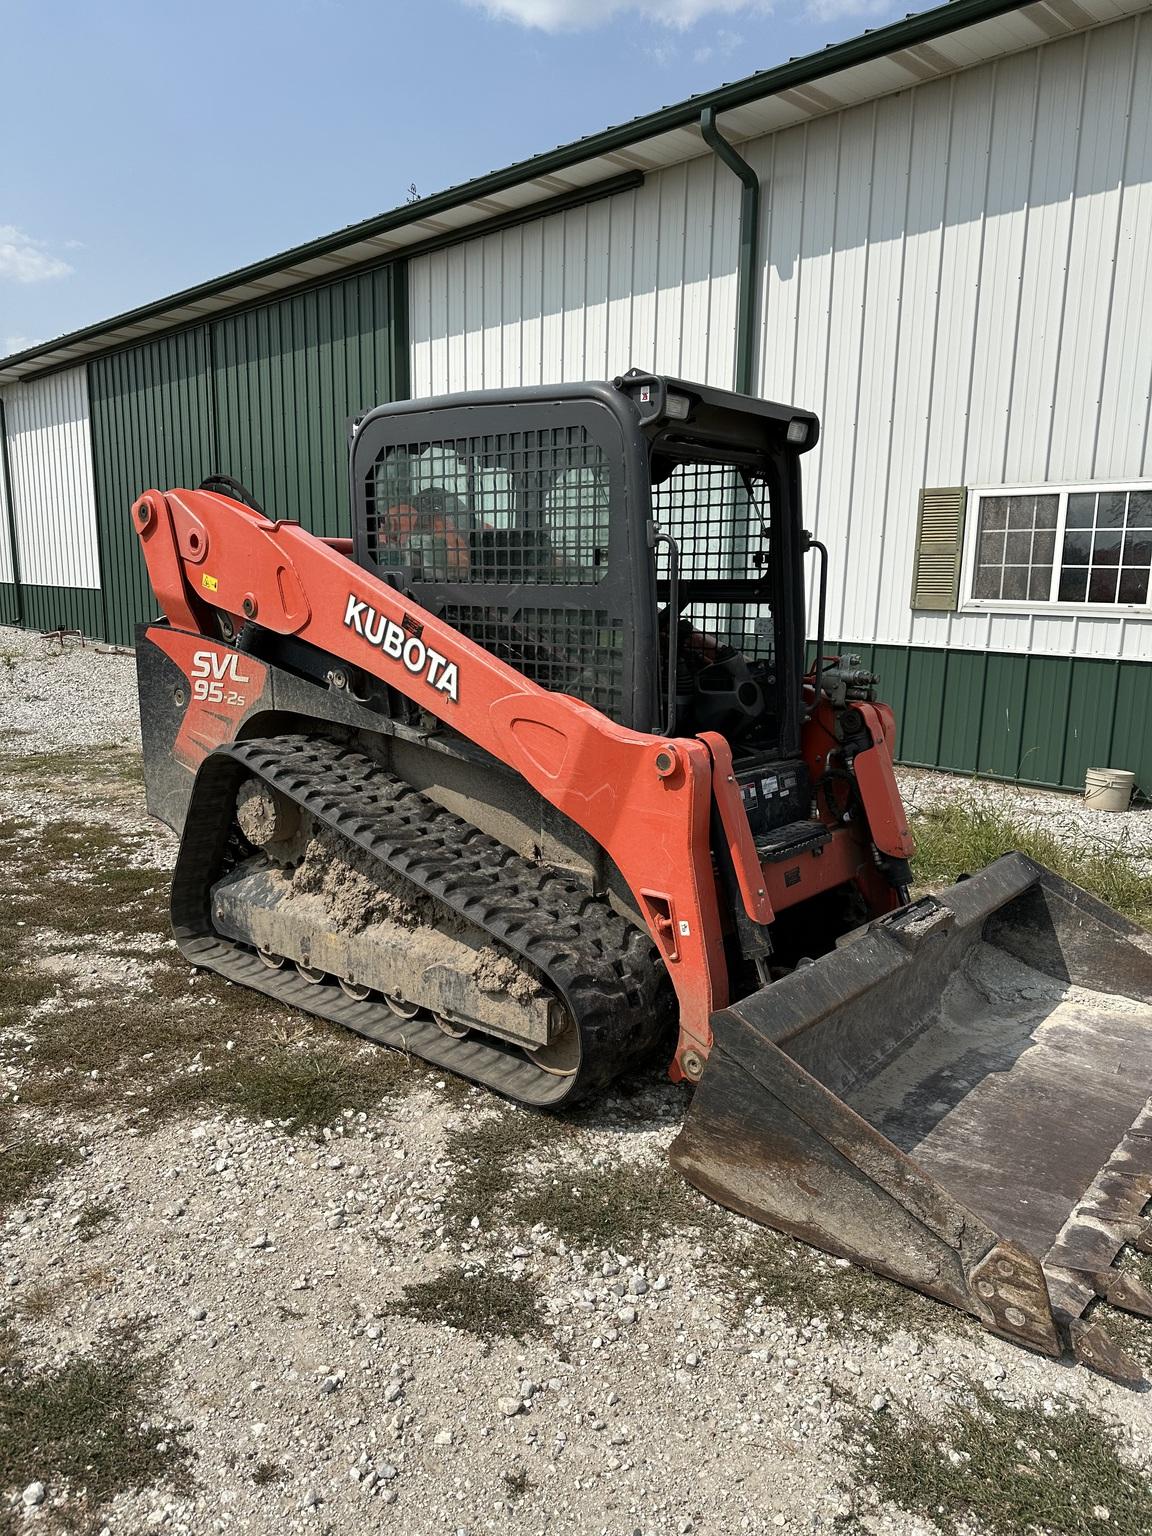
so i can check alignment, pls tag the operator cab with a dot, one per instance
(636, 544)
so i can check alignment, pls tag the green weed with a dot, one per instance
(88, 1426)
(954, 838)
(486, 1303)
(1009, 1469)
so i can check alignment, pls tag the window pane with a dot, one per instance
(1018, 548)
(1134, 586)
(1140, 509)
(1102, 585)
(1073, 584)
(987, 582)
(993, 512)
(1110, 509)
(1020, 511)
(1039, 583)
(1043, 548)
(1106, 547)
(1016, 581)
(992, 549)
(1077, 548)
(1138, 547)
(1046, 509)
(1081, 506)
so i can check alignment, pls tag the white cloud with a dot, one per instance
(725, 45)
(25, 260)
(14, 344)
(581, 15)
(837, 10)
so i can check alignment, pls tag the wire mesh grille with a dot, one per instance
(570, 650)
(505, 508)
(719, 519)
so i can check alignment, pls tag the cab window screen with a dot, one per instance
(503, 509)
(719, 518)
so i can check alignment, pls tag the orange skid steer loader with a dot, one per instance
(531, 776)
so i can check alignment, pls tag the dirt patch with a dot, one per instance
(355, 888)
(497, 973)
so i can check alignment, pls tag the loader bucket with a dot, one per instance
(956, 1097)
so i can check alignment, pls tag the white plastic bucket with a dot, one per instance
(1108, 789)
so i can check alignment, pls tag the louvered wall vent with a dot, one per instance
(939, 542)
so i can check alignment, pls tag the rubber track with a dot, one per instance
(606, 971)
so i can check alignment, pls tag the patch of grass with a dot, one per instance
(486, 1303)
(41, 1299)
(516, 1484)
(28, 1163)
(266, 1473)
(802, 1283)
(623, 1208)
(487, 1157)
(92, 1218)
(954, 838)
(1010, 1469)
(88, 1425)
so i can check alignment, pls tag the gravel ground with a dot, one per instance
(270, 1268)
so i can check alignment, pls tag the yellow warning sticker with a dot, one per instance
(209, 583)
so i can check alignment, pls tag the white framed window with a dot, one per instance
(1063, 547)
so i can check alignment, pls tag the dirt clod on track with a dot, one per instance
(258, 1276)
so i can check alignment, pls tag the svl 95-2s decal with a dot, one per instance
(210, 672)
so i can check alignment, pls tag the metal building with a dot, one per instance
(935, 235)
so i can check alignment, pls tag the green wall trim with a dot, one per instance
(10, 604)
(1042, 720)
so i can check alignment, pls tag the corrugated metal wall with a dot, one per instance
(645, 278)
(1040, 719)
(151, 427)
(956, 279)
(287, 378)
(263, 395)
(9, 598)
(53, 501)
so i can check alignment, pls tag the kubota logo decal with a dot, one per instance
(420, 659)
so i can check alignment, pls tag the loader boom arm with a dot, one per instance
(646, 800)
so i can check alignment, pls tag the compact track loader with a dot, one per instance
(532, 776)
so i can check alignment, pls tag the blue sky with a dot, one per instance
(150, 146)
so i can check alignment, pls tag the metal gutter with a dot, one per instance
(6, 473)
(912, 30)
(746, 284)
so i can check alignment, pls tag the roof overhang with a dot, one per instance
(888, 59)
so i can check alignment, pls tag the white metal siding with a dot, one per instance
(644, 279)
(53, 493)
(7, 571)
(955, 277)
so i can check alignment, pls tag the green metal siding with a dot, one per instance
(9, 603)
(151, 427)
(1034, 719)
(62, 608)
(263, 395)
(288, 376)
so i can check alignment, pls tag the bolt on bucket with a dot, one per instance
(957, 1098)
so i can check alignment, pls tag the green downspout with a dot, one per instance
(746, 288)
(6, 474)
